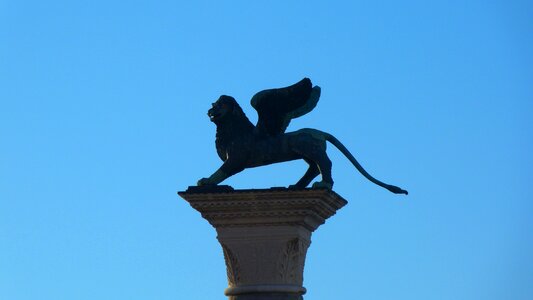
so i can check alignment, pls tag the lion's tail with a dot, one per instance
(330, 138)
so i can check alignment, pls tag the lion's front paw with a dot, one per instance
(205, 181)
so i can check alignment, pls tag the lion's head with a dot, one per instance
(225, 107)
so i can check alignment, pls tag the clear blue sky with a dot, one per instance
(103, 118)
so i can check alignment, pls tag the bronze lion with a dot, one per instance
(242, 145)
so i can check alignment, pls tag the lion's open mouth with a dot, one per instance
(212, 115)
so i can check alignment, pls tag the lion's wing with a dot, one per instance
(276, 107)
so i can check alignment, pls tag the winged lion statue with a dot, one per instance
(242, 145)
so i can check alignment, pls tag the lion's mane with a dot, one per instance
(234, 126)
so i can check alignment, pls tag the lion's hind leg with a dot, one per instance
(309, 175)
(312, 148)
(324, 165)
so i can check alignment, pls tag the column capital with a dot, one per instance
(264, 234)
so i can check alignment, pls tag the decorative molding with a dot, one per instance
(232, 266)
(291, 262)
(309, 208)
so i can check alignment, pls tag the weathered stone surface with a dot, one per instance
(265, 235)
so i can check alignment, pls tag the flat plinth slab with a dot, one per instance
(223, 206)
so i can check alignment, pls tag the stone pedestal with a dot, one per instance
(264, 235)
